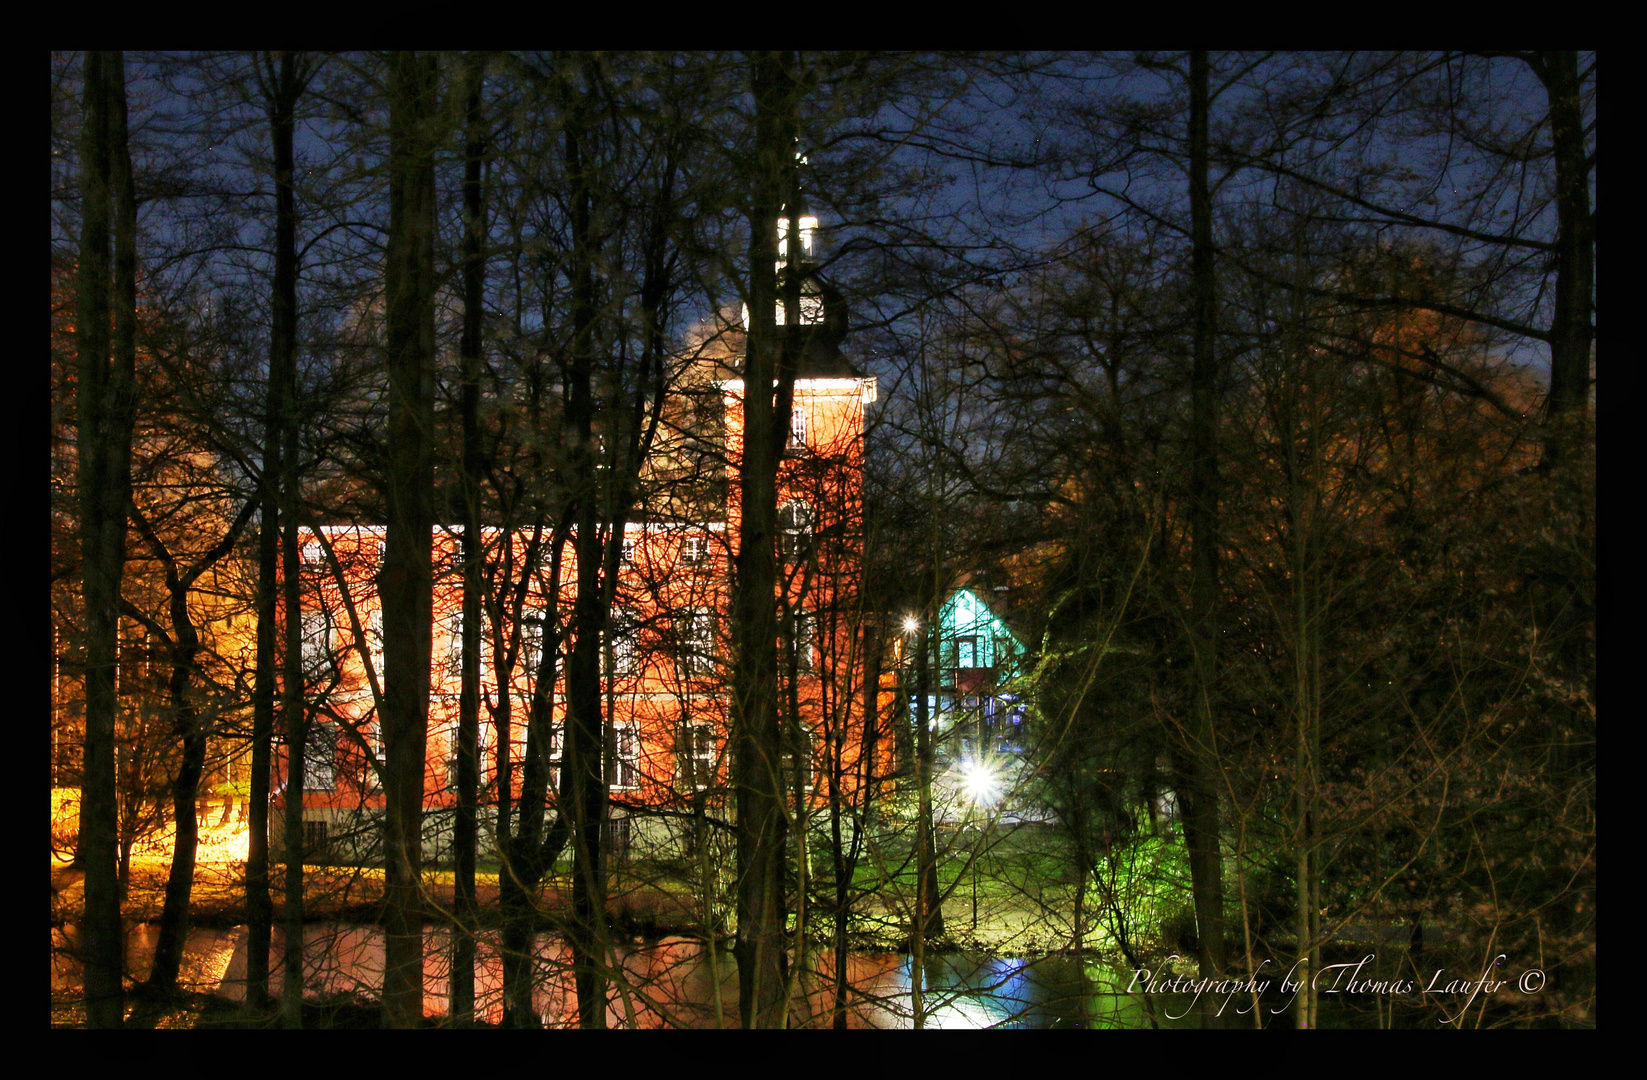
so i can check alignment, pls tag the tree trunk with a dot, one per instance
(929, 906)
(1201, 824)
(583, 786)
(174, 913)
(756, 733)
(466, 832)
(1568, 612)
(846, 853)
(1571, 331)
(294, 713)
(282, 86)
(193, 730)
(406, 587)
(526, 850)
(1303, 516)
(259, 903)
(106, 403)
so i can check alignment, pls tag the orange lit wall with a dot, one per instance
(672, 577)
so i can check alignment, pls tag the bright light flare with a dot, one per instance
(911, 624)
(980, 782)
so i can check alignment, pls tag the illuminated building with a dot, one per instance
(665, 675)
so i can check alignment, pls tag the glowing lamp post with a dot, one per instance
(981, 784)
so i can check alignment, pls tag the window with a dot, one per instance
(1016, 727)
(317, 643)
(625, 754)
(1003, 652)
(806, 226)
(623, 632)
(797, 428)
(454, 653)
(812, 303)
(482, 749)
(694, 549)
(314, 838)
(452, 744)
(454, 650)
(628, 551)
(695, 756)
(705, 422)
(618, 836)
(802, 638)
(557, 752)
(966, 652)
(313, 555)
(797, 758)
(135, 663)
(374, 641)
(694, 630)
(374, 744)
(795, 520)
(531, 639)
(320, 758)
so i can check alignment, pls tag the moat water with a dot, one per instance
(677, 982)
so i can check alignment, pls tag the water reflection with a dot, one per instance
(673, 982)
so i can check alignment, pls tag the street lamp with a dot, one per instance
(981, 784)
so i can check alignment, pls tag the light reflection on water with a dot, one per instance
(671, 982)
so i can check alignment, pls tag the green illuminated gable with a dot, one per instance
(971, 635)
